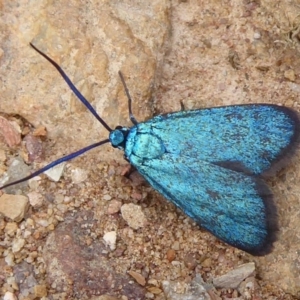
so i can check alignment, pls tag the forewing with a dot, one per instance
(235, 207)
(248, 138)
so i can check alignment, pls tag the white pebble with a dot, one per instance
(9, 259)
(133, 215)
(107, 197)
(257, 35)
(9, 296)
(42, 222)
(110, 239)
(18, 245)
(35, 199)
(79, 175)
(56, 172)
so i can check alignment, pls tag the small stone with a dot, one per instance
(206, 263)
(10, 259)
(56, 172)
(133, 215)
(171, 254)
(13, 206)
(190, 261)
(176, 246)
(9, 296)
(40, 131)
(43, 222)
(27, 234)
(232, 279)
(110, 239)
(17, 245)
(257, 35)
(34, 149)
(154, 290)
(137, 196)
(11, 228)
(107, 197)
(35, 199)
(248, 286)
(7, 129)
(40, 290)
(114, 207)
(195, 290)
(149, 295)
(34, 182)
(15, 171)
(12, 282)
(290, 75)
(51, 227)
(140, 279)
(79, 175)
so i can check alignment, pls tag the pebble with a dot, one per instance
(17, 245)
(35, 199)
(34, 147)
(9, 132)
(171, 254)
(207, 263)
(233, 278)
(110, 239)
(176, 246)
(13, 206)
(34, 182)
(16, 170)
(43, 222)
(196, 290)
(11, 228)
(56, 172)
(190, 261)
(10, 259)
(79, 175)
(40, 131)
(9, 296)
(106, 197)
(133, 215)
(257, 35)
(114, 207)
(154, 290)
(140, 279)
(290, 75)
(40, 290)
(248, 286)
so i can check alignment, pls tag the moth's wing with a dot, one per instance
(235, 207)
(248, 138)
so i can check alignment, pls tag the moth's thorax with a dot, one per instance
(142, 144)
(118, 137)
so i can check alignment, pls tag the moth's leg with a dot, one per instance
(131, 173)
(182, 108)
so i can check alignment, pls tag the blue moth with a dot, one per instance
(209, 162)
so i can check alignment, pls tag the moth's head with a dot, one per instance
(118, 137)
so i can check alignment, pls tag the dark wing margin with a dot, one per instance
(235, 207)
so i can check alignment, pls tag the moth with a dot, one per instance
(208, 162)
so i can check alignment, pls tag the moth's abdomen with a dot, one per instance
(143, 145)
